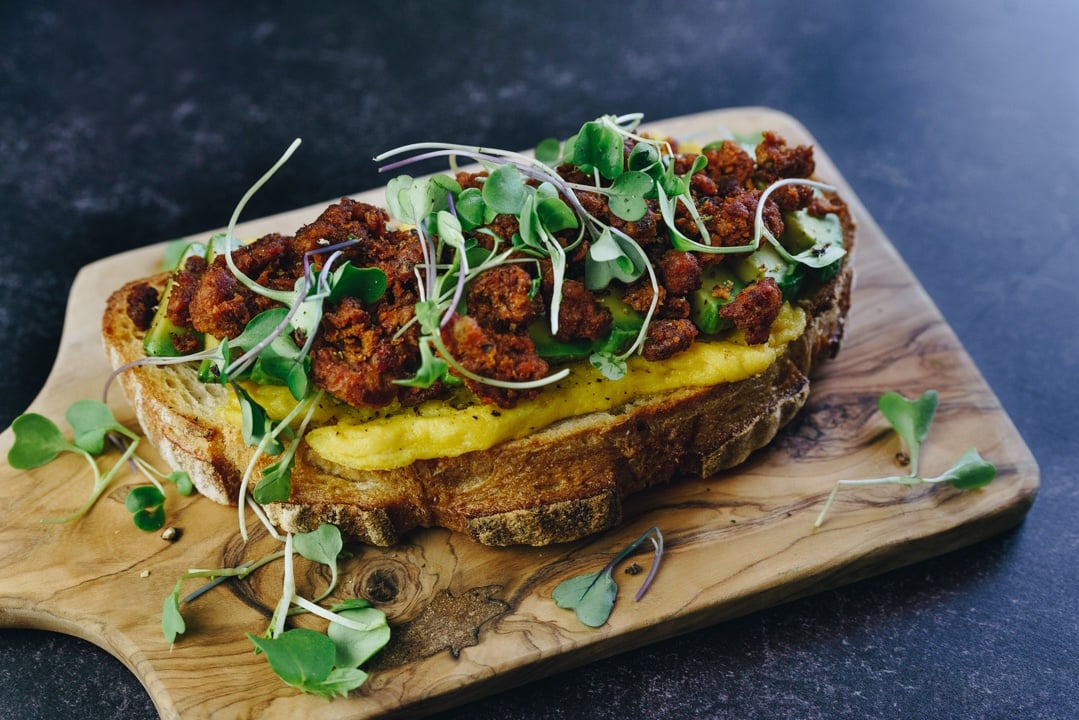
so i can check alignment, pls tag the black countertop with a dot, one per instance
(957, 124)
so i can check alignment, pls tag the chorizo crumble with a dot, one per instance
(360, 350)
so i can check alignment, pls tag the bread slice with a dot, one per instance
(497, 496)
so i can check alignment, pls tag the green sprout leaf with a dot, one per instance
(340, 682)
(301, 657)
(642, 157)
(146, 503)
(911, 419)
(592, 596)
(397, 199)
(366, 284)
(172, 622)
(555, 214)
(608, 259)
(91, 421)
(470, 208)
(969, 473)
(610, 366)
(182, 481)
(355, 647)
(37, 442)
(505, 190)
(626, 195)
(256, 423)
(549, 151)
(321, 545)
(601, 147)
(275, 484)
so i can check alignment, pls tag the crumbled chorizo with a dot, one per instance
(755, 309)
(502, 298)
(775, 160)
(680, 272)
(357, 359)
(667, 337)
(639, 296)
(729, 166)
(342, 221)
(141, 304)
(222, 306)
(730, 220)
(184, 283)
(491, 354)
(579, 315)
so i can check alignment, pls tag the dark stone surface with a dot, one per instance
(956, 123)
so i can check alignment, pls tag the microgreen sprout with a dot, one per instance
(911, 420)
(592, 596)
(38, 441)
(325, 664)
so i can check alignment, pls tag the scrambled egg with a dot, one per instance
(395, 436)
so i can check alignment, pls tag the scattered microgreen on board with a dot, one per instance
(592, 595)
(911, 420)
(39, 441)
(325, 664)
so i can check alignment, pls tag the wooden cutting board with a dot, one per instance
(471, 620)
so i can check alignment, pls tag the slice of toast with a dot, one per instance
(560, 484)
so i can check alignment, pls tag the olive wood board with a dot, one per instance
(471, 620)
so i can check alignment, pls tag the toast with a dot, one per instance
(560, 483)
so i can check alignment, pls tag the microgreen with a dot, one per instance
(911, 420)
(310, 661)
(355, 647)
(256, 424)
(609, 365)
(610, 258)
(38, 441)
(276, 482)
(172, 621)
(592, 596)
(146, 503)
(305, 659)
(599, 146)
(505, 190)
(365, 284)
(322, 545)
(91, 421)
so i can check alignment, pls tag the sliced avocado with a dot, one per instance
(217, 246)
(764, 262)
(623, 316)
(158, 341)
(625, 325)
(718, 287)
(803, 230)
(551, 348)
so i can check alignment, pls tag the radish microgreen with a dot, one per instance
(592, 596)
(39, 441)
(325, 664)
(322, 545)
(911, 420)
(146, 504)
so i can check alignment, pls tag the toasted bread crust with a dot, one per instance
(497, 496)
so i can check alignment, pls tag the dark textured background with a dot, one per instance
(957, 123)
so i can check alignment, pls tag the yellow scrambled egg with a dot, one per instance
(395, 436)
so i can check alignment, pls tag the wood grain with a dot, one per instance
(470, 620)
